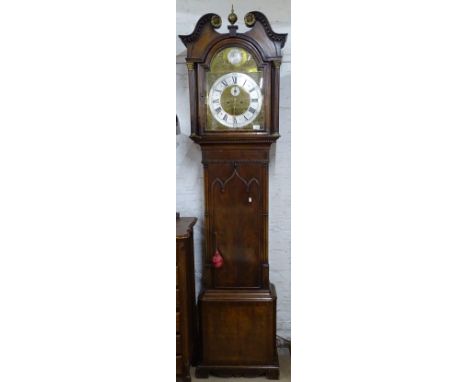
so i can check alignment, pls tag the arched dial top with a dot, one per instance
(234, 91)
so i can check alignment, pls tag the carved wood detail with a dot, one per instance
(261, 18)
(212, 18)
(235, 173)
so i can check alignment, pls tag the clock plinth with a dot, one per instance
(239, 332)
(234, 103)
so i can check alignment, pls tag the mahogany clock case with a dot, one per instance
(237, 303)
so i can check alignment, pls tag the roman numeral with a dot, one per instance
(234, 80)
(254, 99)
(246, 118)
(251, 90)
(218, 110)
(234, 121)
(225, 117)
(216, 100)
(224, 82)
(252, 110)
(244, 83)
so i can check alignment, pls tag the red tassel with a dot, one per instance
(217, 260)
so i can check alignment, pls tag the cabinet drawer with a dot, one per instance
(179, 364)
(178, 344)
(177, 322)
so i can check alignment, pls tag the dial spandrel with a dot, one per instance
(234, 89)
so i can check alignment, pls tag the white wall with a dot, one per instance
(189, 169)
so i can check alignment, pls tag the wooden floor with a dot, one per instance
(285, 371)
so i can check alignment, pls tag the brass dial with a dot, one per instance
(235, 100)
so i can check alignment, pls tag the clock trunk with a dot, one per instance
(236, 215)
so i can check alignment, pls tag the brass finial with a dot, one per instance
(249, 19)
(215, 21)
(232, 16)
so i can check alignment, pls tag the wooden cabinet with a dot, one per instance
(234, 102)
(185, 298)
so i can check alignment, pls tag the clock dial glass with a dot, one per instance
(234, 92)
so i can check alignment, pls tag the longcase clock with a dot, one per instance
(234, 82)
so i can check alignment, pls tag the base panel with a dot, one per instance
(238, 334)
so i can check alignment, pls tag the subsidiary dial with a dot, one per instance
(234, 56)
